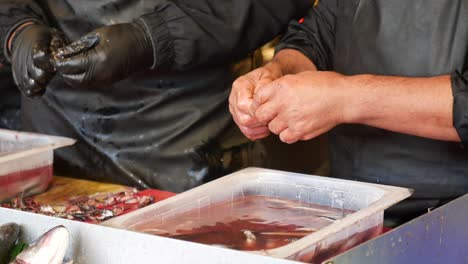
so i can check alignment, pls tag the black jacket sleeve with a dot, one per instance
(187, 33)
(315, 35)
(460, 105)
(13, 13)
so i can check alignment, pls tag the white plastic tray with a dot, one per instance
(26, 161)
(368, 200)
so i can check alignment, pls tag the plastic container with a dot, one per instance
(368, 200)
(26, 162)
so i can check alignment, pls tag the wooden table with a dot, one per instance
(64, 188)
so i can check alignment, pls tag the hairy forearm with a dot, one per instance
(293, 61)
(415, 106)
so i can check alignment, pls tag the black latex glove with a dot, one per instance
(31, 59)
(106, 55)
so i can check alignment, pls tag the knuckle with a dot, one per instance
(242, 101)
(287, 77)
(243, 105)
(236, 83)
(290, 77)
(240, 83)
(257, 73)
(298, 127)
(287, 80)
(245, 120)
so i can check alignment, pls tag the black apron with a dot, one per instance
(171, 131)
(9, 101)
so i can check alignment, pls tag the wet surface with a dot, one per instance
(246, 223)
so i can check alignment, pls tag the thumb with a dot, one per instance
(265, 92)
(258, 86)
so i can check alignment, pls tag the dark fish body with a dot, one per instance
(9, 234)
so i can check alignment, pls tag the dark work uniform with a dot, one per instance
(402, 38)
(9, 101)
(157, 129)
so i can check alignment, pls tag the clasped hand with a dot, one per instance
(295, 107)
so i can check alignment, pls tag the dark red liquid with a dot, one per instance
(28, 181)
(247, 223)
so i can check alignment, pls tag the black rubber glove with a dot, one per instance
(31, 59)
(106, 55)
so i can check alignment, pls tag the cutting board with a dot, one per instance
(63, 188)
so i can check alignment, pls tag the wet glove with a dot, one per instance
(106, 55)
(31, 59)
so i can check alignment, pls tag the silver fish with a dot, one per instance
(50, 248)
(9, 233)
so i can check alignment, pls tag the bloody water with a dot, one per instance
(247, 223)
(28, 181)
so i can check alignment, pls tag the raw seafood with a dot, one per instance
(9, 234)
(90, 209)
(83, 44)
(49, 249)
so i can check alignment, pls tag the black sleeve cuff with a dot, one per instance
(6, 58)
(308, 51)
(460, 105)
(163, 46)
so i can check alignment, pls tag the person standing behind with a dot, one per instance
(388, 81)
(120, 89)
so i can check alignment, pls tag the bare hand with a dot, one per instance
(301, 106)
(242, 105)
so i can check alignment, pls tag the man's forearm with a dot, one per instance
(293, 61)
(415, 106)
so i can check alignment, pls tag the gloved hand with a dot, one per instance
(32, 62)
(106, 55)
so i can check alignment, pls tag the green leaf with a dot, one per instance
(17, 249)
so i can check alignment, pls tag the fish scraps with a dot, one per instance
(90, 209)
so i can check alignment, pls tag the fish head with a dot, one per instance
(50, 248)
(9, 232)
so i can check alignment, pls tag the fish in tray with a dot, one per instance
(9, 234)
(50, 248)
